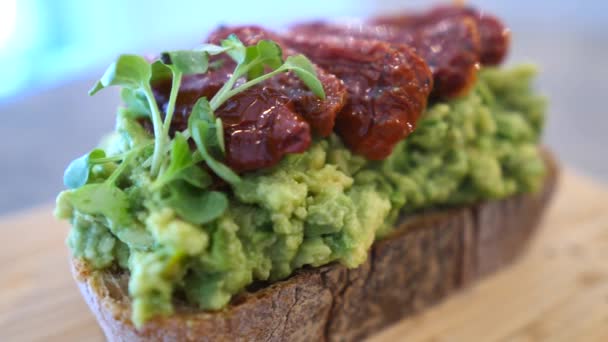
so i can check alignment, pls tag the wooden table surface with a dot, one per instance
(558, 291)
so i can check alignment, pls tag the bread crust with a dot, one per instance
(427, 258)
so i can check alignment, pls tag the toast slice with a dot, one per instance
(430, 256)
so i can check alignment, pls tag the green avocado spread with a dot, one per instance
(325, 205)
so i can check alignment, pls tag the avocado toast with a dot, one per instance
(254, 192)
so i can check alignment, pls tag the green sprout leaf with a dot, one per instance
(134, 72)
(255, 69)
(270, 53)
(181, 158)
(212, 49)
(235, 48)
(160, 71)
(201, 111)
(187, 62)
(77, 173)
(304, 69)
(182, 166)
(217, 64)
(129, 71)
(136, 101)
(196, 176)
(200, 134)
(195, 206)
(219, 133)
(265, 54)
(103, 199)
(112, 203)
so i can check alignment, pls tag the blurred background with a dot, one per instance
(52, 51)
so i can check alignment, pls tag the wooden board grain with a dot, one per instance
(557, 291)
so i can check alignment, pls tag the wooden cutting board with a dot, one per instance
(557, 291)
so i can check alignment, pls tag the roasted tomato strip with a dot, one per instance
(494, 36)
(450, 47)
(388, 87)
(320, 114)
(260, 127)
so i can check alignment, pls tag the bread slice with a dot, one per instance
(429, 257)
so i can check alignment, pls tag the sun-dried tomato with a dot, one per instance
(261, 127)
(451, 49)
(388, 87)
(494, 36)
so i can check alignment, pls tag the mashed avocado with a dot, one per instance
(318, 207)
